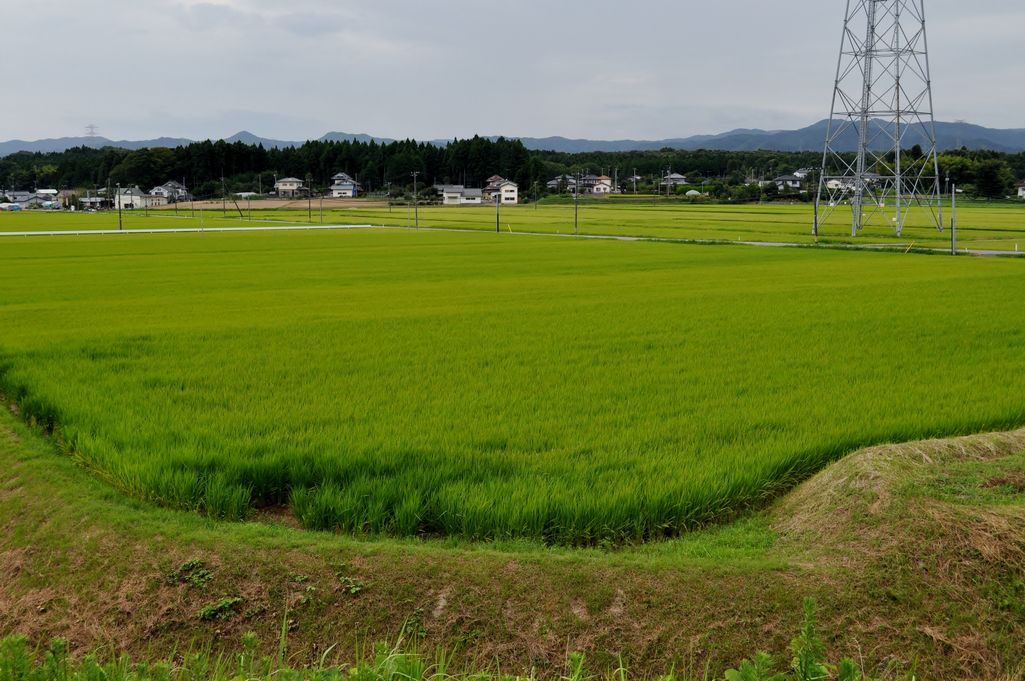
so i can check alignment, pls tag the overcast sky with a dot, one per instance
(604, 69)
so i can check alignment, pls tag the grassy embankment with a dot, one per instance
(494, 387)
(914, 554)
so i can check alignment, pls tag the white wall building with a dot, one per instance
(602, 185)
(507, 190)
(674, 180)
(1021, 190)
(458, 195)
(172, 191)
(131, 198)
(288, 186)
(344, 187)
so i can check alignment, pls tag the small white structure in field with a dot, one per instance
(1021, 190)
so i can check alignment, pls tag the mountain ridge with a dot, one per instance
(810, 138)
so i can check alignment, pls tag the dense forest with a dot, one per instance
(210, 169)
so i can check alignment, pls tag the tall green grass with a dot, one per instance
(493, 386)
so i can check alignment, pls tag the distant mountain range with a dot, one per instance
(949, 136)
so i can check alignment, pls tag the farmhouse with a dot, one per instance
(458, 195)
(1021, 190)
(93, 203)
(674, 180)
(288, 186)
(507, 190)
(563, 183)
(788, 182)
(130, 198)
(40, 199)
(344, 187)
(172, 191)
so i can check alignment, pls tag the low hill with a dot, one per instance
(949, 136)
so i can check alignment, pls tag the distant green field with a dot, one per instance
(484, 385)
(981, 226)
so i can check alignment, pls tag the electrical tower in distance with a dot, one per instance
(883, 109)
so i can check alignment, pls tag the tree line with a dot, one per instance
(211, 169)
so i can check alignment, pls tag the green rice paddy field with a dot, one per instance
(981, 226)
(494, 386)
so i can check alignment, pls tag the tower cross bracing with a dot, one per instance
(883, 110)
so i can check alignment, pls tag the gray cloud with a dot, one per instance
(608, 69)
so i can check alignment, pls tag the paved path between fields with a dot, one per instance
(605, 237)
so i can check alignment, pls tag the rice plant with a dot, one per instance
(492, 386)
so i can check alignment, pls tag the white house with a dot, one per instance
(458, 195)
(674, 180)
(602, 185)
(129, 198)
(1021, 190)
(288, 186)
(507, 190)
(172, 191)
(344, 187)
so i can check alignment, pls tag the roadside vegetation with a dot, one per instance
(493, 388)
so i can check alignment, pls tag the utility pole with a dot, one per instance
(498, 212)
(953, 219)
(224, 198)
(416, 205)
(120, 224)
(576, 206)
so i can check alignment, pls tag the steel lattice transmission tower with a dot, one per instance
(882, 108)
